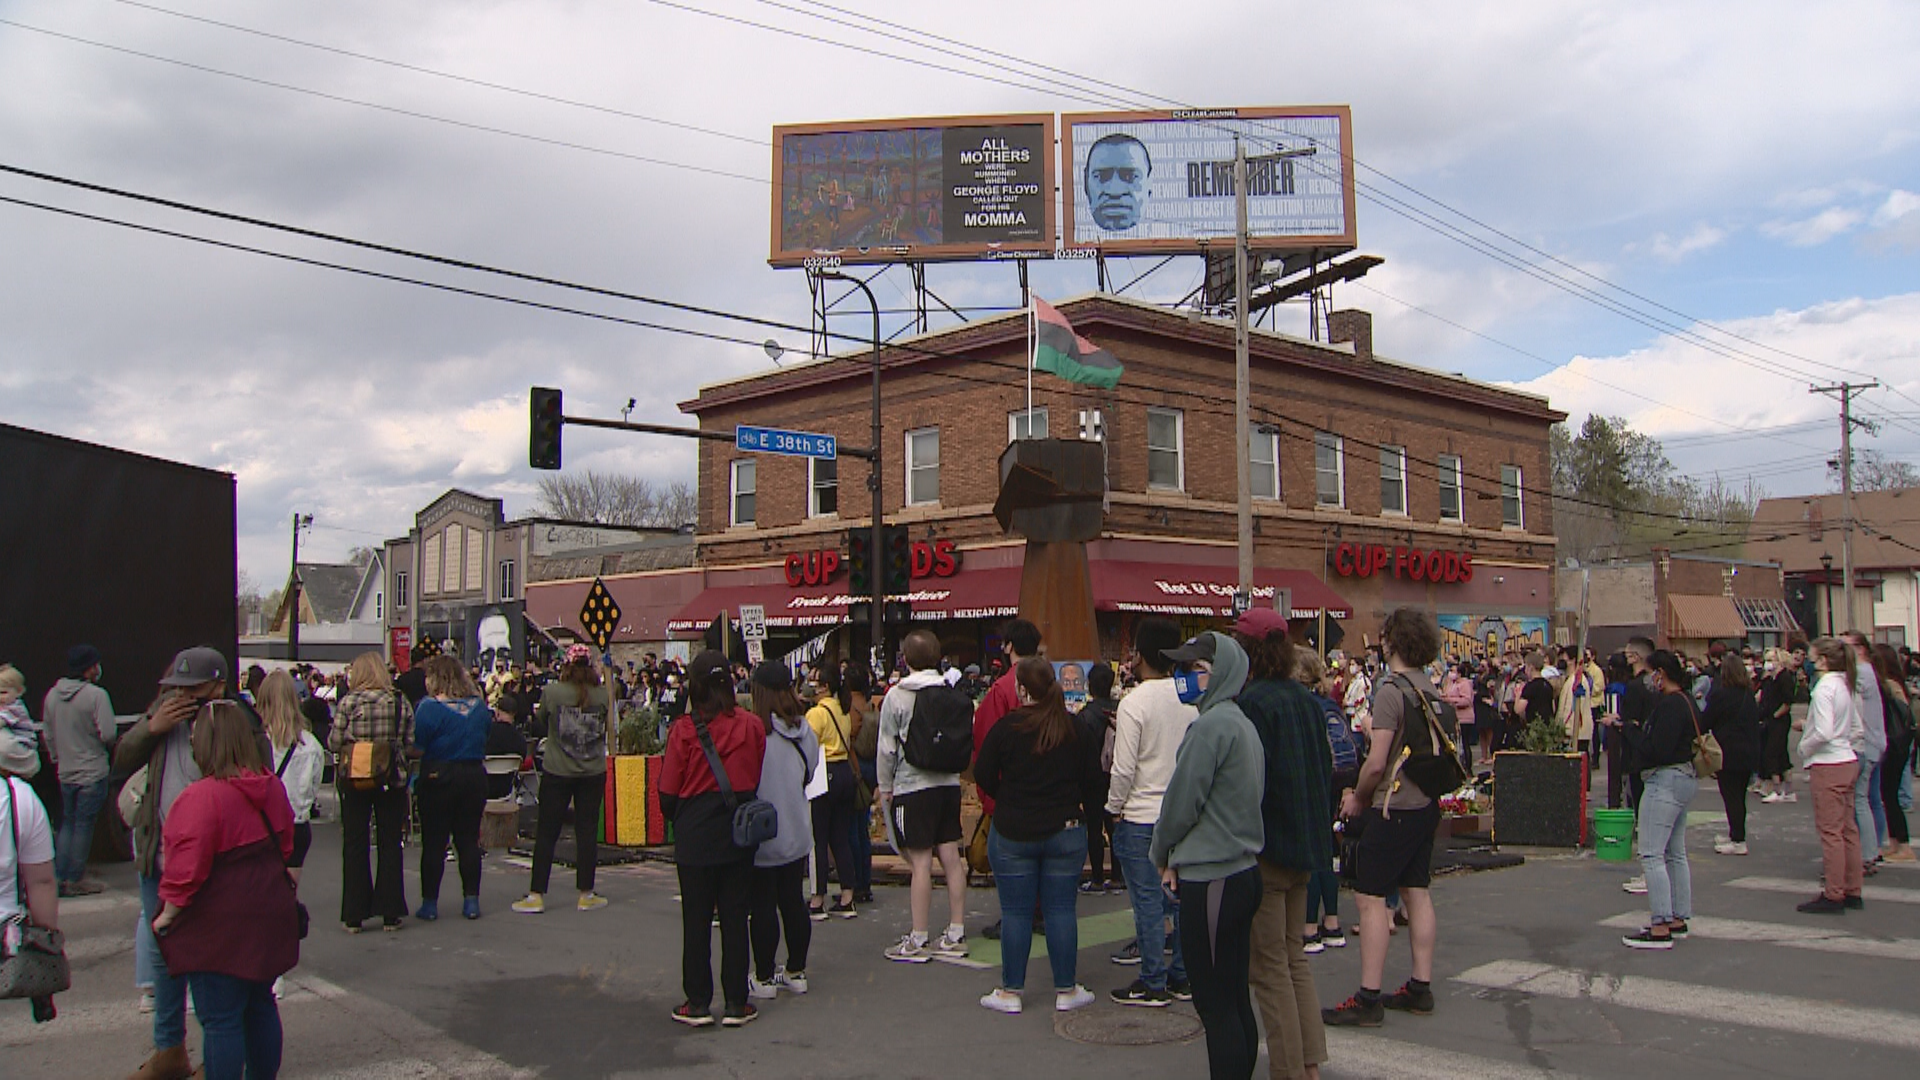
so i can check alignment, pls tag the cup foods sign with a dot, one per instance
(1411, 563)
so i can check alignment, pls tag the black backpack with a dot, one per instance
(940, 733)
(1430, 759)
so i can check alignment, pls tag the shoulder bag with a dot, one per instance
(755, 821)
(369, 763)
(862, 795)
(33, 959)
(1436, 770)
(1707, 758)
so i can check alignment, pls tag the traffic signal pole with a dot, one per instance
(883, 654)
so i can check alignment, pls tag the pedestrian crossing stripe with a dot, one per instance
(1812, 938)
(1884, 893)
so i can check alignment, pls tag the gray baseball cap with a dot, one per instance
(192, 667)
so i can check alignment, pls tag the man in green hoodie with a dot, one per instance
(1207, 845)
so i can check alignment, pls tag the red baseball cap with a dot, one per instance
(1257, 623)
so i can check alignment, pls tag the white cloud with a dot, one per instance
(1670, 250)
(1897, 222)
(1815, 230)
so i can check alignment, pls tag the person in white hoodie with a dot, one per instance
(922, 810)
(1827, 744)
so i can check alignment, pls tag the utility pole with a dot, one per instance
(300, 521)
(1845, 391)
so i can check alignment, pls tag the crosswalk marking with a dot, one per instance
(1798, 1016)
(1884, 893)
(1815, 938)
(17, 1026)
(1375, 1057)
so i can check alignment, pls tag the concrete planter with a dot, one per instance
(1539, 800)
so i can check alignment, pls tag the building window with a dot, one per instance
(1026, 424)
(743, 487)
(476, 560)
(1449, 468)
(379, 606)
(401, 598)
(1263, 451)
(1165, 467)
(823, 486)
(506, 579)
(923, 466)
(1393, 480)
(430, 565)
(1329, 469)
(1511, 512)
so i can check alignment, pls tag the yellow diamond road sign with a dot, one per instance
(599, 615)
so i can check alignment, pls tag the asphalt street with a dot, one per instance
(1531, 979)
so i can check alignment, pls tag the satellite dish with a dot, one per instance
(774, 350)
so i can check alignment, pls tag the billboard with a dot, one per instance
(897, 190)
(1163, 181)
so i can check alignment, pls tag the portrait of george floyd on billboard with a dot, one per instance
(1163, 181)
(917, 190)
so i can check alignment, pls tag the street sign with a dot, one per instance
(753, 622)
(778, 441)
(756, 651)
(1283, 602)
(599, 615)
(1242, 602)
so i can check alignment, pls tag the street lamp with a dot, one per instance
(300, 521)
(879, 580)
(1826, 586)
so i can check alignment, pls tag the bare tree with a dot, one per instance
(677, 505)
(361, 556)
(1873, 471)
(612, 499)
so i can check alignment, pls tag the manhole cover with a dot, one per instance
(1128, 1027)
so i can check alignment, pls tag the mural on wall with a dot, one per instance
(1490, 635)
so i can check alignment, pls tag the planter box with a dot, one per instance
(1539, 800)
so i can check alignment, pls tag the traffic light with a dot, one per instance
(899, 558)
(860, 562)
(543, 429)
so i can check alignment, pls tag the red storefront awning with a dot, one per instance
(1153, 588)
(992, 593)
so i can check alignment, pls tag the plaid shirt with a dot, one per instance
(374, 716)
(1297, 807)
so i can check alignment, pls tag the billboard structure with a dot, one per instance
(916, 190)
(1163, 181)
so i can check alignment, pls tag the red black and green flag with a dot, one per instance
(1059, 351)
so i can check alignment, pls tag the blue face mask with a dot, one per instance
(1186, 683)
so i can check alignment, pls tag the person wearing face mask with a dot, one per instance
(1663, 746)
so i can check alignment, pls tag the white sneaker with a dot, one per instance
(908, 951)
(794, 982)
(1790, 796)
(1636, 886)
(146, 1001)
(947, 945)
(1721, 838)
(1730, 848)
(1077, 998)
(762, 991)
(279, 987)
(1770, 797)
(1003, 1001)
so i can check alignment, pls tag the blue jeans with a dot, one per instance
(79, 805)
(1663, 841)
(239, 1026)
(1152, 906)
(169, 991)
(1868, 810)
(1050, 870)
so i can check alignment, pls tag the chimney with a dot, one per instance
(1352, 325)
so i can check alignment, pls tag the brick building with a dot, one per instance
(1377, 483)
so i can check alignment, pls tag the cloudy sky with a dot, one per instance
(1743, 173)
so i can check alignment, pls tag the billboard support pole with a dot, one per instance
(882, 653)
(1242, 389)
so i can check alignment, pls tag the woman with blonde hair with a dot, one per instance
(298, 758)
(1779, 683)
(450, 727)
(372, 712)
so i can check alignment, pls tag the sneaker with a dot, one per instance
(1128, 955)
(1730, 847)
(1116, 888)
(393, 925)
(1092, 888)
(948, 945)
(535, 904)
(817, 914)
(863, 896)
(843, 909)
(907, 951)
(1002, 1001)
(1335, 938)
(279, 989)
(761, 991)
(692, 1017)
(1721, 838)
(590, 901)
(1772, 797)
(1139, 993)
(1646, 939)
(1407, 999)
(992, 933)
(1354, 1012)
(1820, 905)
(1312, 943)
(429, 911)
(351, 927)
(1853, 903)
(1901, 853)
(1791, 796)
(793, 982)
(1079, 997)
(1179, 991)
(1677, 929)
(1636, 886)
(470, 907)
(739, 1016)
(146, 1001)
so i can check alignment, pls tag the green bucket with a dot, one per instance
(1613, 835)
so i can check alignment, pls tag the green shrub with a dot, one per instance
(1545, 737)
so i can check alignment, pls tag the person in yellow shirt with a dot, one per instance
(833, 812)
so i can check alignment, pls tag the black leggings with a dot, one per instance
(1733, 795)
(586, 793)
(1216, 938)
(705, 890)
(780, 902)
(833, 827)
(1899, 757)
(451, 806)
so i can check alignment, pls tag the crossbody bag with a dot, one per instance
(862, 794)
(755, 821)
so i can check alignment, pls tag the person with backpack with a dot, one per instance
(1323, 930)
(833, 812)
(377, 716)
(575, 711)
(1395, 805)
(779, 890)
(926, 742)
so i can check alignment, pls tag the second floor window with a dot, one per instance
(1449, 468)
(743, 492)
(1512, 509)
(1026, 424)
(1164, 466)
(823, 486)
(1263, 451)
(1329, 470)
(1393, 480)
(507, 580)
(923, 466)
(401, 585)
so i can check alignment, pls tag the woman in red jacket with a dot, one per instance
(231, 923)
